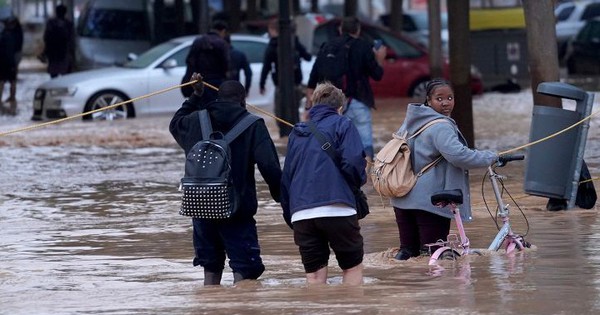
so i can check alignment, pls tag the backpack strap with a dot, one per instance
(439, 158)
(240, 127)
(427, 125)
(205, 124)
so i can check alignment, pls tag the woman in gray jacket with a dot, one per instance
(420, 222)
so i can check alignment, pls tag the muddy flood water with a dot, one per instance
(89, 225)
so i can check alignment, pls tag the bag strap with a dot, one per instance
(328, 148)
(427, 125)
(325, 144)
(205, 124)
(240, 127)
(439, 158)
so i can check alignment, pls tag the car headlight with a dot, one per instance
(67, 91)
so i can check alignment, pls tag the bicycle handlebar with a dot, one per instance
(504, 159)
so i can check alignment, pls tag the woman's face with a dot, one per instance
(441, 100)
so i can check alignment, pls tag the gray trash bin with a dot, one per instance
(553, 166)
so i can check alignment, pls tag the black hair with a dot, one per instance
(219, 25)
(350, 25)
(432, 85)
(61, 10)
(232, 91)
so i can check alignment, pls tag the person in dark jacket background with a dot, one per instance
(239, 62)
(235, 237)
(284, 109)
(11, 46)
(209, 55)
(365, 64)
(316, 196)
(59, 43)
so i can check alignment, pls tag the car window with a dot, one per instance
(254, 50)
(563, 13)
(151, 55)
(408, 25)
(590, 32)
(180, 56)
(591, 11)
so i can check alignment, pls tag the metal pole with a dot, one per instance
(285, 62)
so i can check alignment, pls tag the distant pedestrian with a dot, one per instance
(11, 46)
(209, 56)
(59, 43)
(239, 62)
(237, 236)
(316, 196)
(284, 109)
(365, 64)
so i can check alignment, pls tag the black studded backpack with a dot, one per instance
(207, 186)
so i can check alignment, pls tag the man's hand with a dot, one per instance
(199, 85)
(380, 54)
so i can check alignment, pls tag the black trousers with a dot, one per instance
(418, 227)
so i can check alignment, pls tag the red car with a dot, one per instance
(406, 69)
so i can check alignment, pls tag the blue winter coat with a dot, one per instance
(451, 172)
(310, 177)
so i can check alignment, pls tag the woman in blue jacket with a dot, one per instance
(420, 222)
(316, 195)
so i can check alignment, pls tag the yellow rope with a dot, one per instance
(40, 125)
(550, 136)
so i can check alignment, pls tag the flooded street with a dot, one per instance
(89, 224)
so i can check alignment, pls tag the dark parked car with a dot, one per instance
(583, 55)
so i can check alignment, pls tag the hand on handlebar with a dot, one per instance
(505, 158)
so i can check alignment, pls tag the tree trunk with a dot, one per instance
(460, 67)
(435, 39)
(541, 45)
(396, 18)
(314, 6)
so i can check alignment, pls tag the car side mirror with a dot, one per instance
(169, 64)
(131, 56)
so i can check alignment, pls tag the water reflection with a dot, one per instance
(92, 229)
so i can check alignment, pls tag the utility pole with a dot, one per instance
(285, 68)
(435, 38)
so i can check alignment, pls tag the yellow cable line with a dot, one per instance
(550, 136)
(57, 121)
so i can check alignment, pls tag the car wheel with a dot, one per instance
(105, 99)
(418, 90)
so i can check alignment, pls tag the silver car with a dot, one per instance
(156, 70)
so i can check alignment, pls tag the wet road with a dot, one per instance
(89, 225)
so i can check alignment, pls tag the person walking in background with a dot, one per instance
(237, 236)
(11, 46)
(316, 197)
(419, 222)
(365, 63)
(238, 62)
(209, 55)
(59, 43)
(286, 110)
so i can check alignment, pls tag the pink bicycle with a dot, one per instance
(458, 245)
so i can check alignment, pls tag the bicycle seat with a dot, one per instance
(447, 196)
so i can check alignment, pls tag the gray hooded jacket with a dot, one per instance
(451, 172)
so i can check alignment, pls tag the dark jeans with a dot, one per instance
(237, 238)
(419, 227)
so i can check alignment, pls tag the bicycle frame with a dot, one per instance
(505, 234)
